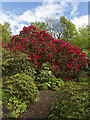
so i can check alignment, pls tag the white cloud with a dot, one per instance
(27, 16)
(17, 31)
(80, 21)
(47, 10)
(74, 12)
(50, 10)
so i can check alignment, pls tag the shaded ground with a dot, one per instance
(39, 109)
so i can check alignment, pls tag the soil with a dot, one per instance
(39, 110)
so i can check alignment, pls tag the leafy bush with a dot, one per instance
(72, 102)
(46, 80)
(5, 96)
(65, 60)
(87, 68)
(19, 89)
(16, 62)
(86, 51)
(83, 76)
(13, 107)
(20, 85)
(17, 82)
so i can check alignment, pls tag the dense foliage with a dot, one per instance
(68, 30)
(16, 62)
(5, 32)
(65, 60)
(81, 39)
(18, 87)
(46, 80)
(72, 102)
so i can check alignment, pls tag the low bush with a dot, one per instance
(16, 62)
(46, 80)
(87, 68)
(5, 96)
(20, 85)
(13, 107)
(72, 102)
(18, 90)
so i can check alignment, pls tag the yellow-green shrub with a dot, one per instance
(46, 80)
(20, 85)
(16, 62)
(72, 102)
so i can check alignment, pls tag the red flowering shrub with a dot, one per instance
(65, 60)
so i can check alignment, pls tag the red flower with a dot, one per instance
(59, 54)
(30, 57)
(27, 52)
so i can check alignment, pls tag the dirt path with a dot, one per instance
(39, 109)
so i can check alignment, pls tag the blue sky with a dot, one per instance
(23, 6)
(20, 7)
(20, 14)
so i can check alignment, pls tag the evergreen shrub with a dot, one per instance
(72, 102)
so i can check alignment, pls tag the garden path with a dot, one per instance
(40, 109)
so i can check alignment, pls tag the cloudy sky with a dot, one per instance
(20, 14)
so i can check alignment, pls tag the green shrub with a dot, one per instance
(16, 62)
(72, 102)
(14, 107)
(5, 96)
(83, 77)
(86, 51)
(87, 68)
(19, 89)
(20, 85)
(46, 80)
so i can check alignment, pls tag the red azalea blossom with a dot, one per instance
(43, 48)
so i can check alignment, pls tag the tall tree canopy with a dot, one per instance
(68, 29)
(40, 25)
(81, 39)
(54, 27)
(5, 32)
(65, 30)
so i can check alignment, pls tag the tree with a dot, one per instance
(65, 30)
(81, 39)
(68, 29)
(5, 32)
(61, 29)
(40, 25)
(0, 32)
(54, 27)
